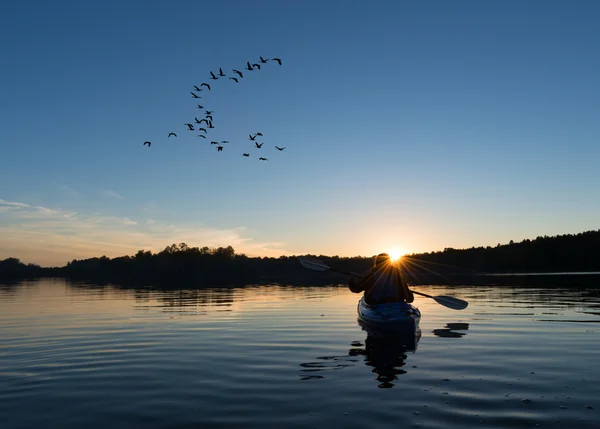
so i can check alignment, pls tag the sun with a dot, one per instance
(396, 254)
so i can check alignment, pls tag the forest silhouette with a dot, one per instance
(179, 265)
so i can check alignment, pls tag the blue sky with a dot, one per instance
(419, 125)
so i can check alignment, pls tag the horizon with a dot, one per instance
(407, 127)
(156, 251)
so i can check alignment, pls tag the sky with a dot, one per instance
(410, 125)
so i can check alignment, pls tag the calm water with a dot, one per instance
(269, 356)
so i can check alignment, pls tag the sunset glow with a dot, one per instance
(396, 253)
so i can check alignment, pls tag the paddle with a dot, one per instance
(446, 301)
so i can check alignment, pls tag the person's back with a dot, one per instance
(384, 283)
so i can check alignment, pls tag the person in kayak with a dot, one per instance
(383, 283)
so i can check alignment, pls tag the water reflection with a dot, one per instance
(386, 353)
(450, 331)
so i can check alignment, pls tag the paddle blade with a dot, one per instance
(451, 302)
(313, 264)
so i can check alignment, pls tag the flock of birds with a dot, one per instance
(205, 124)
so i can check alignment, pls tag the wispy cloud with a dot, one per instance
(51, 236)
(112, 194)
(70, 191)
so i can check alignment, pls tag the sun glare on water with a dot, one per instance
(396, 253)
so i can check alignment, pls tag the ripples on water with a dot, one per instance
(102, 357)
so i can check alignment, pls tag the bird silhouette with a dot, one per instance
(279, 148)
(259, 134)
(210, 124)
(198, 121)
(203, 120)
(277, 59)
(200, 106)
(245, 154)
(234, 79)
(219, 148)
(209, 112)
(224, 141)
(202, 129)
(147, 143)
(249, 67)
(238, 72)
(262, 159)
(256, 65)
(214, 142)
(212, 76)
(252, 137)
(202, 135)
(209, 117)
(190, 126)
(206, 85)
(262, 60)
(172, 134)
(197, 89)
(259, 145)
(221, 72)
(195, 96)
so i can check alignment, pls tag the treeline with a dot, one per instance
(561, 253)
(179, 265)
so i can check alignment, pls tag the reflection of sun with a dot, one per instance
(396, 253)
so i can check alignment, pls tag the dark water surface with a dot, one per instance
(283, 357)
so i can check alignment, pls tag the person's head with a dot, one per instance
(382, 260)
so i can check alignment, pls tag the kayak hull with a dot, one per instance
(398, 317)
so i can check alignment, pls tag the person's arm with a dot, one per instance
(407, 292)
(359, 283)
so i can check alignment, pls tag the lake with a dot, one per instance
(89, 356)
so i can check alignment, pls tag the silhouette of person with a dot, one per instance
(383, 283)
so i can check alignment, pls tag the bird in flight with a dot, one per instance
(245, 154)
(224, 141)
(172, 134)
(198, 121)
(262, 159)
(238, 72)
(214, 142)
(210, 125)
(221, 72)
(256, 65)
(212, 76)
(195, 96)
(234, 79)
(206, 84)
(209, 117)
(209, 112)
(203, 120)
(259, 145)
(262, 60)
(147, 143)
(202, 135)
(277, 59)
(258, 134)
(190, 126)
(252, 137)
(279, 148)
(197, 89)
(202, 129)
(219, 148)
(249, 67)
(200, 106)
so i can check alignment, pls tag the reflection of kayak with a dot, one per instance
(396, 316)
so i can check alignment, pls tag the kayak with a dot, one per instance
(399, 317)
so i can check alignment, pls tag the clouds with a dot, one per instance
(54, 236)
(112, 194)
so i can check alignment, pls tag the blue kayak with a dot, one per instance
(399, 317)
